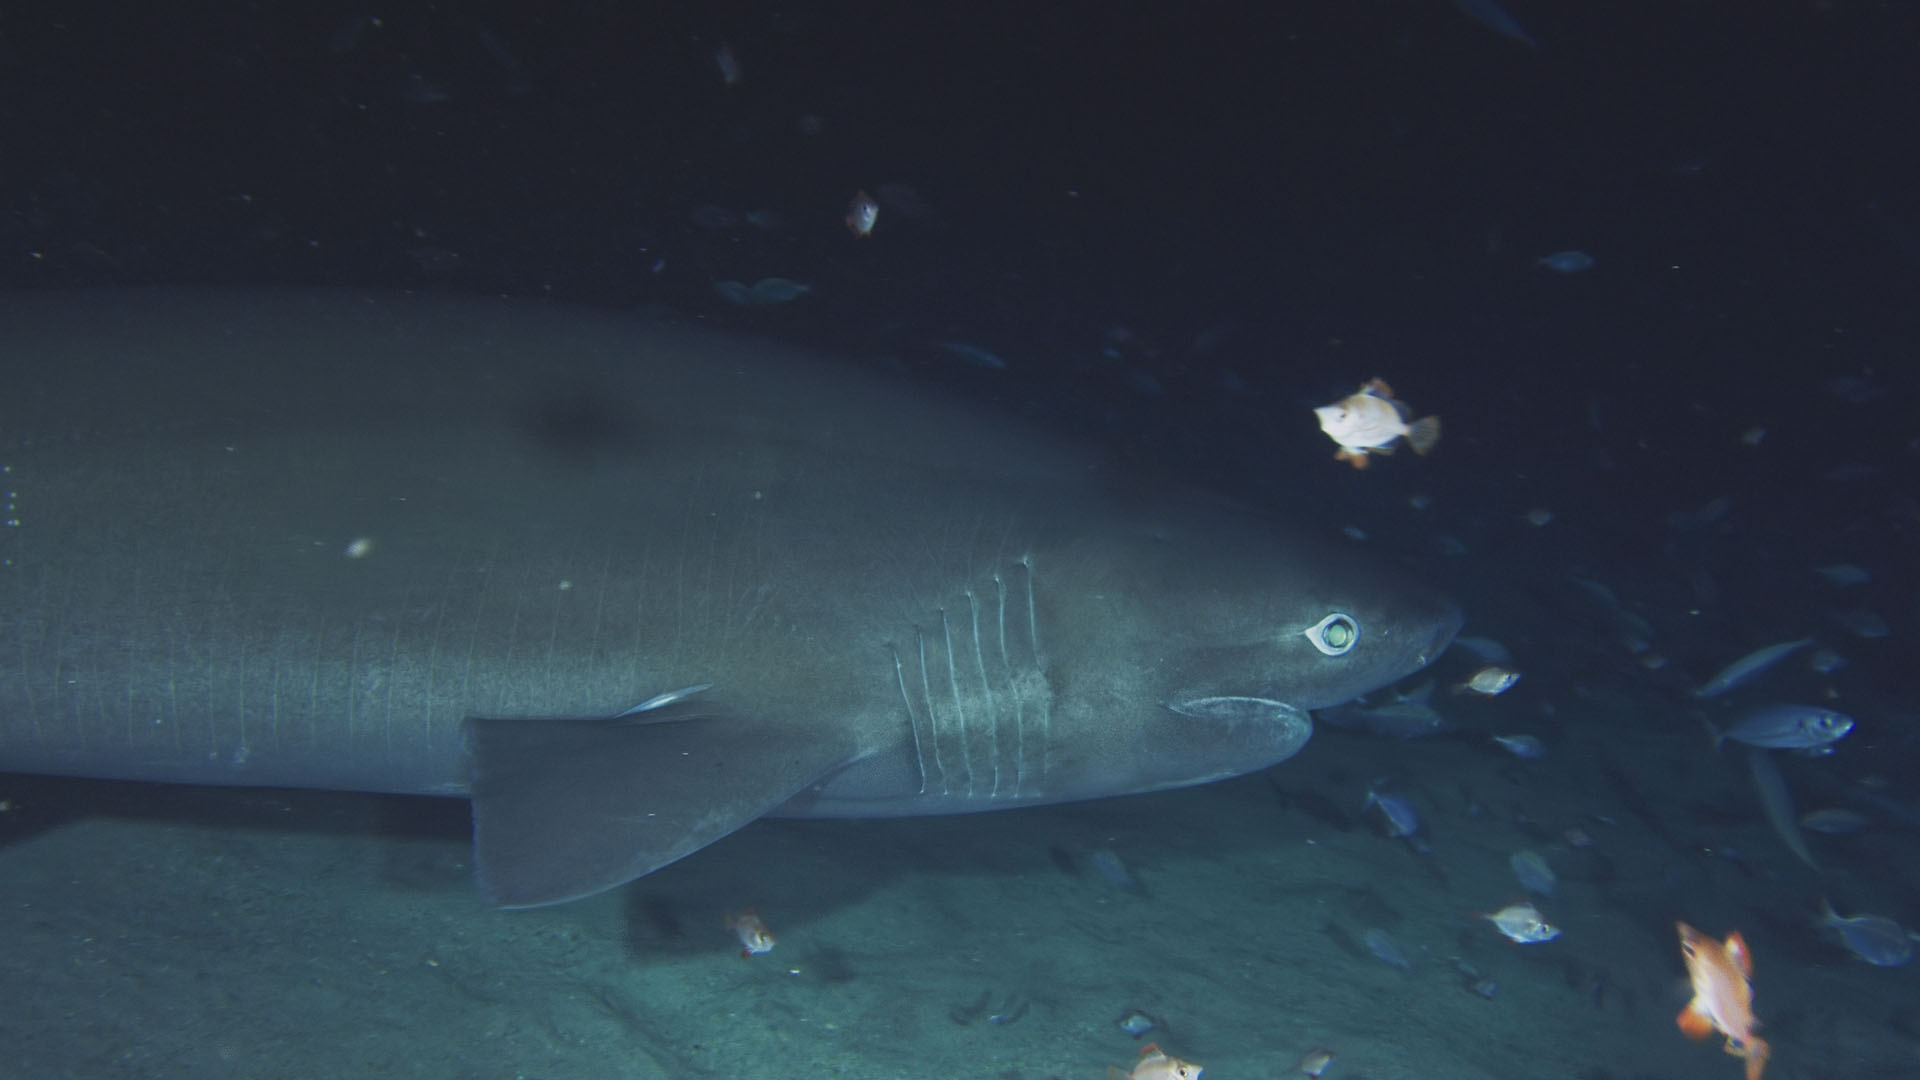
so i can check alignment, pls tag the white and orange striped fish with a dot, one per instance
(753, 934)
(1154, 1064)
(1721, 974)
(1371, 421)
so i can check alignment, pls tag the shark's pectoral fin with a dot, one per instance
(565, 808)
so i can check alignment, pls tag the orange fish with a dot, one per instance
(753, 934)
(1722, 995)
(1154, 1064)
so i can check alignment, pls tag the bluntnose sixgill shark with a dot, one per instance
(626, 586)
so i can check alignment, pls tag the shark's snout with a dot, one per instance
(1440, 634)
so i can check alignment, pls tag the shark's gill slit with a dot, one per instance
(1039, 670)
(986, 690)
(959, 707)
(913, 721)
(933, 724)
(1014, 696)
(1033, 617)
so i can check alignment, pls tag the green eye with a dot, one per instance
(1335, 635)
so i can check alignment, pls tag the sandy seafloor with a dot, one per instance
(170, 932)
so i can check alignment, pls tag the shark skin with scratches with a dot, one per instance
(626, 586)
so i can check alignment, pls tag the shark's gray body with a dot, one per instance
(439, 546)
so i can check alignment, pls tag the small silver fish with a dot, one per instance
(1777, 802)
(1786, 727)
(778, 290)
(1834, 821)
(1381, 945)
(1137, 1023)
(1625, 621)
(1395, 811)
(1843, 574)
(728, 64)
(1874, 938)
(1531, 870)
(1314, 1063)
(1371, 420)
(1108, 863)
(766, 291)
(1566, 262)
(1488, 681)
(1522, 746)
(1522, 922)
(1748, 666)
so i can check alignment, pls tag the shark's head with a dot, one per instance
(1199, 643)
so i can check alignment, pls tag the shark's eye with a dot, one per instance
(1335, 635)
